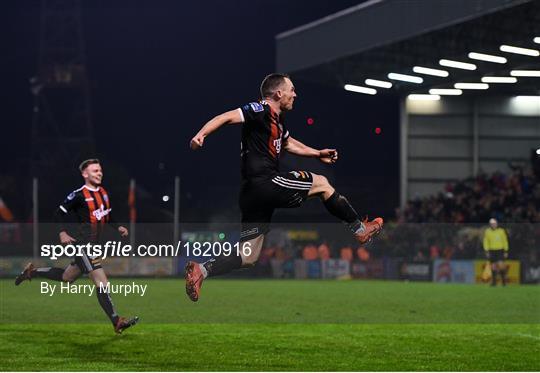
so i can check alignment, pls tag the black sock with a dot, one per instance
(494, 277)
(340, 207)
(223, 264)
(106, 303)
(503, 276)
(52, 273)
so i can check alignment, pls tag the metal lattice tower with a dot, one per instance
(62, 131)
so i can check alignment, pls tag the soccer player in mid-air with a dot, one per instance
(264, 188)
(92, 206)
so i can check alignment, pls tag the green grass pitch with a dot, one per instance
(289, 325)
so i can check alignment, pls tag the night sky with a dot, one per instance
(160, 69)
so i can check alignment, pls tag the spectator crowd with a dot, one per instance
(508, 198)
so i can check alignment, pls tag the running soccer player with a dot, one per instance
(92, 207)
(264, 188)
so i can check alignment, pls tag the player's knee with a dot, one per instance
(321, 187)
(320, 180)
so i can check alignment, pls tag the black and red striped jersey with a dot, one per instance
(263, 134)
(92, 209)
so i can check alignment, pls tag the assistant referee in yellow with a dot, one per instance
(496, 249)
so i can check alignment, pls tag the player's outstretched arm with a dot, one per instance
(229, 117)
(296, 147)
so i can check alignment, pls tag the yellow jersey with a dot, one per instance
(495, 239)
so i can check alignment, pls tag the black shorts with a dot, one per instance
(260, 197)
(496, 256)
(85, 263)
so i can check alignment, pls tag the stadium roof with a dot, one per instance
(379, 37)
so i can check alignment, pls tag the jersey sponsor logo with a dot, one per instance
(99, 214)
(256, 107)
(71, 196)
(277, 145)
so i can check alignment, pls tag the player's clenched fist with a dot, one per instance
(123, 231)
(197, 142)
(328, 155)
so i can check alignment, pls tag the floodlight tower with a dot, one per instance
(62, 131)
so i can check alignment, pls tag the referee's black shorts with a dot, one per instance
(496, 256)
(260, 197)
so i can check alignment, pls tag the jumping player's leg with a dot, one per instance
(340, 207)
(251, 250)
(196, 273)
(249, 254)
(256, 219)
(255, 224)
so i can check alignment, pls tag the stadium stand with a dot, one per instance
(512, 197)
